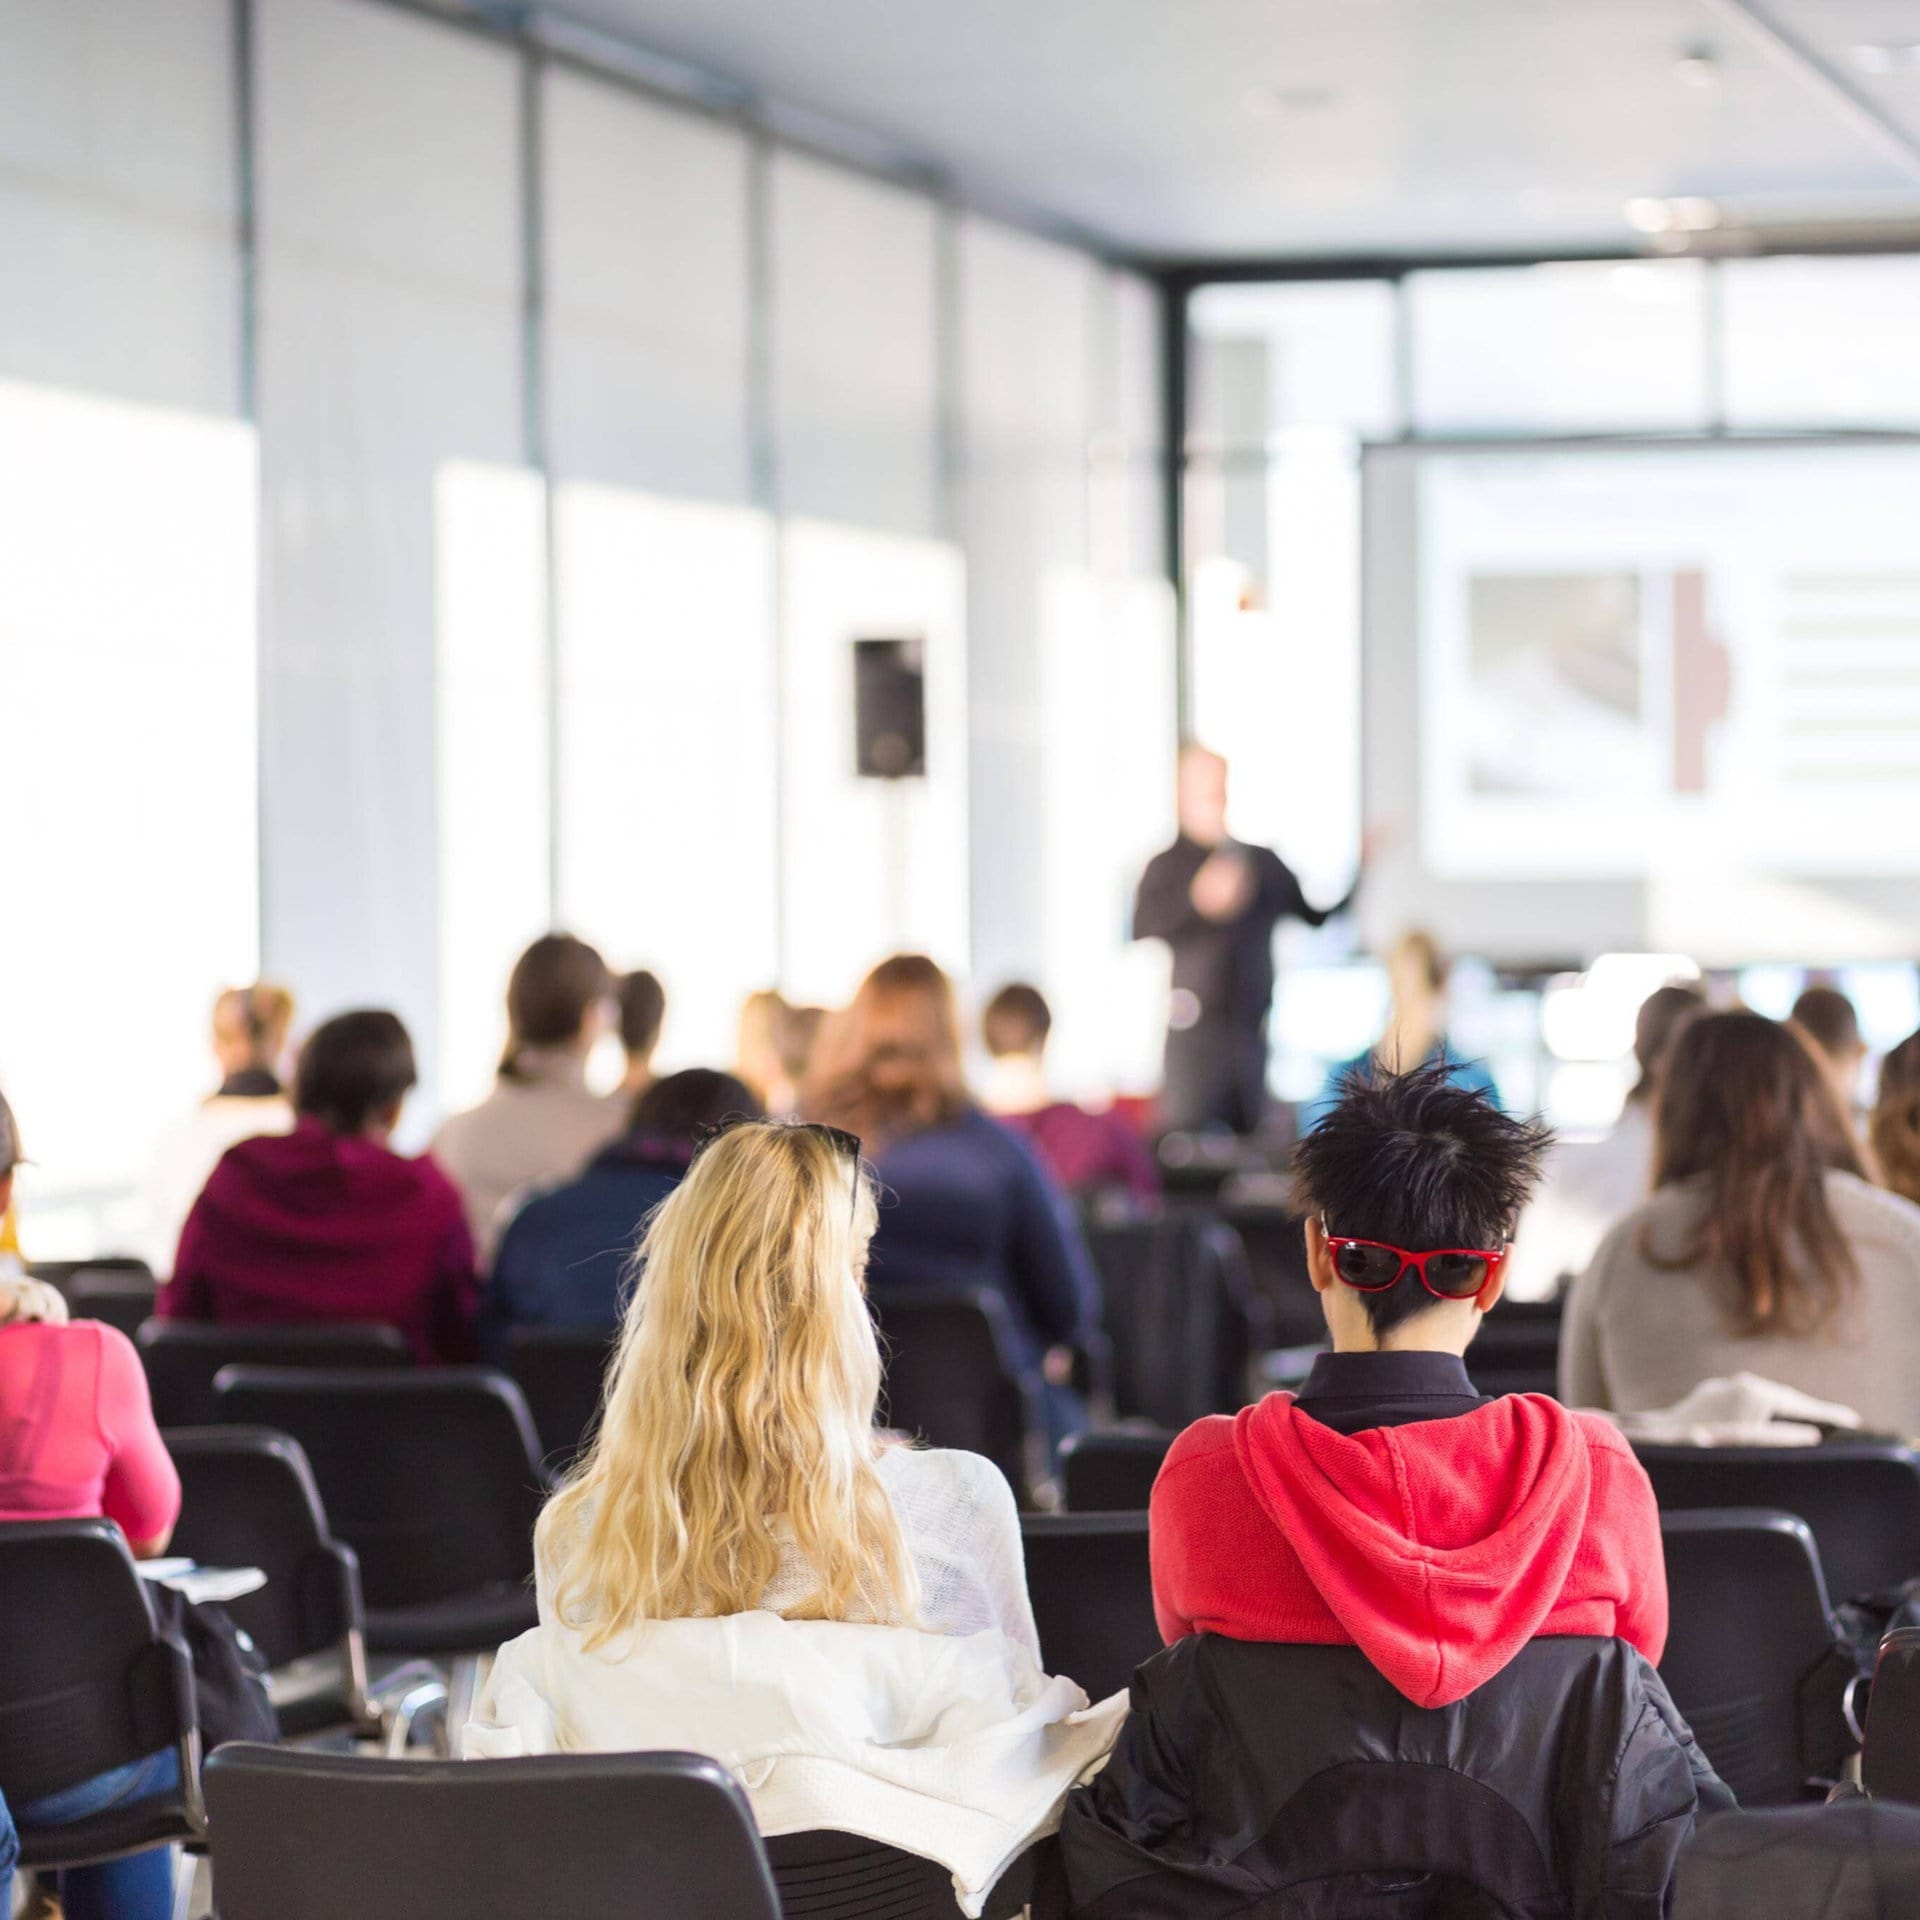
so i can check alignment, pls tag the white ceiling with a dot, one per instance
(1251, 127)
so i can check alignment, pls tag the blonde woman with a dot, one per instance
(740, 1566)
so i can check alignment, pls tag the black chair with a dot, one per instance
(560, 1370)
(1275, 1242)
(248, 1500)
(1112, 1471)
(432, 1478)
(1861, 1498)
(182, 1357)
(1856, 1860)
(88, 1683)
(1754, 1657)
(1182, 1316)
(122, 1300)
(835, 1876)
(308, 1836)
(1890, 1754)
(63, 1273)
(1092, 1590)
(952, 1380)
(1517, 1350)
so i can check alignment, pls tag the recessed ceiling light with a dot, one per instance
(1684, 213)
(1697, 67)
(1645, 214)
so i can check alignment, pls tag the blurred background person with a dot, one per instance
(1591, 1184)
(1763, 1250)
(328, 1223)
(250, 1029)
(565, 1253)
(1894, 1129)
(541, 1122)
(776, 1040)
(642, 1004)
(1216, 903)
(1827, 1017)
(11, 1159)
(969, 1205)
(1416, 1031)
(1090, 1154)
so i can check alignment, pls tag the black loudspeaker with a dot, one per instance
(890, 709)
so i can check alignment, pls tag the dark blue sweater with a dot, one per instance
(968, 1204)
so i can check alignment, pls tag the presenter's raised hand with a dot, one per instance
(1223, 888)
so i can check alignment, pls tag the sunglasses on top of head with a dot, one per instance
(847, 1145)
(1448, 1273)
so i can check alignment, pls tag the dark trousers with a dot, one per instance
(1216, 1077)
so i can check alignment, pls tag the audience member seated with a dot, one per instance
(1389, 1505)
(250, 1028)
(541, 1122)
(969, 1205)
(1894, 1130)
(1587, 1188)
(642, 1002)
(78, 1441)
(776, 1042)
(1088, 1153)
(328, 1222)
(740, 1566)
(1416, 1030)
(563, 1258)
(1827, 1018)
(1764, 1249)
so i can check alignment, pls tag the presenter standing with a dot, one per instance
(1216, 902)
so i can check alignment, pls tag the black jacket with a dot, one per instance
(1856, 1860)
(1272, 1782)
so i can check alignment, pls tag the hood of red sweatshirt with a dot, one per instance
(1440, 1547)
(318, 1189)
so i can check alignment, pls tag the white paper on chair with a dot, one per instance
(203, 1585)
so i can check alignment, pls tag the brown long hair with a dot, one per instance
(554, 985)
(888, 1065)
(1745, 1108)
(1894, 1129)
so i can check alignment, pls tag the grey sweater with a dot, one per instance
(1639, 1337)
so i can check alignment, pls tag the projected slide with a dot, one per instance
(1639, 660)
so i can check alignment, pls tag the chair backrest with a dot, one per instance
(1754, 1659)
(1517, 1349)
(182, 1356)
(1860, 1498)
(1858, 1859)
(1890, 1754)
(1092, 1590)
(432, 1478)
(951, 1380)
(122, 1299)
(63, 1273)
(1272, 1234)
(1181, 1314)
(1112, 1471)
(248, 1500)
(87, 1682)
(560, 1371)
(311, 1836)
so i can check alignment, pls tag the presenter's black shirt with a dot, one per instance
(1227, 965)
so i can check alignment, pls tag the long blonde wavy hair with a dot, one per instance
(737, 1417)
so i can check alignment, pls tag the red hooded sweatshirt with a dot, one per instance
(314, 1225)
(1438, 1548)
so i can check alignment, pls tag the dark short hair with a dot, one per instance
(1826, 1016)
(354, 1066)
(553, 987)
(9, 1139)
(685, 1106)
(1657, 1026)
(1418, 1161)
(1017, 1020)
(643, 1010)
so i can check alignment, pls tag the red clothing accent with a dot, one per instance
(1087, 1151)
(1438, 1548)
(314, 1226)
(77, 1438)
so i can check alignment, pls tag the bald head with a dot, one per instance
(1202, 795)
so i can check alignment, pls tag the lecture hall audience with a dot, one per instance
(566, 1253)
(1090, 1154)
(1764, 1249)
(1894, 1130)
(250, 1028)
(328, 1223)
(78, 1441)
(1827, 1017)
(541, 1122)
(740, 1566)
(642, 1004)
(968, 1203)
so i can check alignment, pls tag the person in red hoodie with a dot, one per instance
(1388, 1505)
(328, 1222)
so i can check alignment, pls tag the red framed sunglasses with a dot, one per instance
(1448, 1273)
